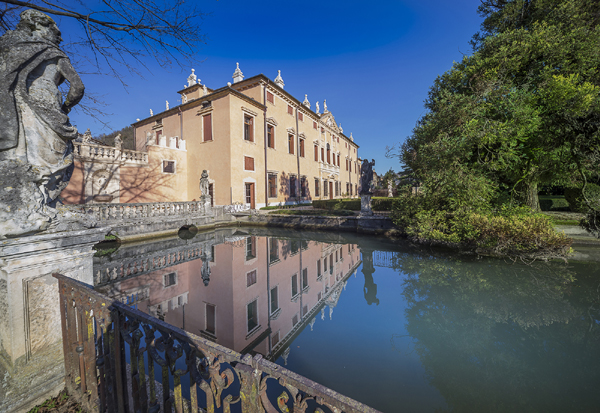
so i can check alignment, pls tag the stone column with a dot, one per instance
(31, 352)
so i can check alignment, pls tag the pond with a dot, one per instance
(394, 326)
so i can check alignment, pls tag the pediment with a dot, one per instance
(329, 120)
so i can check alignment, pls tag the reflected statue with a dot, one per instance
(205, 270)
(36, 149)
(370, 288)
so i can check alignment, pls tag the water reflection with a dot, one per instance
(256, 292)
(422, 332)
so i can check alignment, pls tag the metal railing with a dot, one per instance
(132, 211)
(97, 333)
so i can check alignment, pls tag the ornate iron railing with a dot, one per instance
(98, 332)
(133, 211)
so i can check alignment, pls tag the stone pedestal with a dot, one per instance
(206, 201)
(31, 353)
(365, 206)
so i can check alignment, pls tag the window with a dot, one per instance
(347, 187)
(158, 133)
(319, 296)
(272, 185)
(169, 279)
(275, 339)
(314, 125)
(336, 256)
(325, 189)
(294, 285)
(252, 315)
(316, 187)
(318, 268)
(322, 155)
(305, 278)
(303, 185)
(338, 159)
(337, 188)
(250, 278)
(273, 250)
(211, 319)
(301, 116)
(316, 153)
(270, 97)
(270, 136)
(294, 246)
(207, 127)
(350, 189)
(328, 155)
(295, 319)
(325, 264)
(346, 164)
(302, 148)
(248, 128)
(249, 193)
(331, 264)
(169, 167)
(290, 110)
(350, 164)
(291, 144)
(248, 163)
(250, 248)
(304, 310)
(274, 300)
(292, 186)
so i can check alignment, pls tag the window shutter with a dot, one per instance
(207, 126)
(248, 163)
(290, 110)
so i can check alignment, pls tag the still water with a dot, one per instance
(394, 326)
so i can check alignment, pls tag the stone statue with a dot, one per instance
(118, 142)
(390, 191)
(36, 149)
(87, 136)
(317, 108)
(325, 106)
(185, 98)
(204, 185)
(151, 113)
(204, 90)
(366, 177)
(167, 104)
(192, 79)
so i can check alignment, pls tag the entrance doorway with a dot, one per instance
(250, 195)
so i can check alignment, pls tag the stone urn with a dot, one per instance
(103, 198)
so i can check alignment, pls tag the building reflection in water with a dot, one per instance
(251, 293)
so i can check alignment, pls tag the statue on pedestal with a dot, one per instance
(204, 185)
(36, 149)
(366, 177)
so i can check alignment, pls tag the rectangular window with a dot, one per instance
(169, 279)
(350, 164)
(273, 250)
(275, 339)
(270, 136)
(290, 110)
(318, 268)
(346, 164)
(270, 97)
(316, 153)
(211, 319)
(331, 264)
(207, 127)
(316, 187)
(302, 148)
(350, 189)
(303, 191)
(305, 278)
(250, 278)
(248, 128)
(314, 125)
(291, 144)
(322, 154)
(328, 155)
(338, 159)
(158, 134)
(292, 186)
(294, 285)
(294, 246)
(274, 300)
(347, 188)
(272, 185)
(304, 310)
(319, 296)
(295, 319)
(250, 248)
(248, 163)
(325, 189)
(252, 315)
(301, 116)
(169, 167)
(336, 256)
(325, 264)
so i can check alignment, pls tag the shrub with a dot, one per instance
(575, 198)
(337, 204)
(382, 204)
(553, 203)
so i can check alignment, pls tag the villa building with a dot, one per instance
(260, 145)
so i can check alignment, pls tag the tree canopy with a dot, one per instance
(522, 111)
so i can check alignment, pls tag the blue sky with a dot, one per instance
(373, 61)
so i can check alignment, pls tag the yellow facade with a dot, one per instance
(257, 142)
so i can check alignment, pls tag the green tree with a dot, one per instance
(523, 110)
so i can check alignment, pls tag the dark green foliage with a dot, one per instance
(337, 204)
(575, 198)
(126, 136)
(382, 203)
(312, 212)
(553, 203)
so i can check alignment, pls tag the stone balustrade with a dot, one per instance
(109, 154)
(137, 211)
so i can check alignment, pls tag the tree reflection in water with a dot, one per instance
(504, 337)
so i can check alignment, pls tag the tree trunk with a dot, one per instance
(530, 196)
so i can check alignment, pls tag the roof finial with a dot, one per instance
(306, 102)
(325, 106)
(238, 76)
(192, 79)
(317, 108)
(279, 80)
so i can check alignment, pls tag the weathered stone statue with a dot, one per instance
(390, 190)
(366, 177)
(36, 152)
(204, 184)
